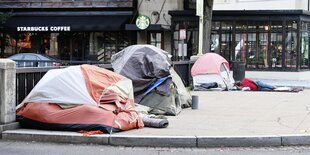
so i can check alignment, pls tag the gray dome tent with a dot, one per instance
(155, 83)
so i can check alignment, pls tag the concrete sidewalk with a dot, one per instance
(224, 118)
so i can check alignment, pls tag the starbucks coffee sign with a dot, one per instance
(143, 22)
(44, 28)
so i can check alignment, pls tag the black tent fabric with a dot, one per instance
(144, 65)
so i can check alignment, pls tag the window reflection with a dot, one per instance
(252, 51)
(304, 57)
(266, 44)
(260, 44)
(291, 45)
(68, 46)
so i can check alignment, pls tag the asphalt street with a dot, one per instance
(41, 148)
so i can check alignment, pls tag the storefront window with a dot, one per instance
(240, 41)
(215, 37)
(175, 44)
(155, 39)
(10, 46)
(225, 40)
(67, 46)
(27, 42)
(291, 45)
(216, 25)
(241, 25)
(276, 50)
(226, 26)
(225, 45)
(192, 41)
(64, 45)
(240, 47)
(108, 43)
(257, 45)
(24, 42)
(215, 42)
(276, 45)
(53, 45)
(304, 26)
(304, 56)
(80, 43)
(263, 50)
(186, 45)
(251, 51)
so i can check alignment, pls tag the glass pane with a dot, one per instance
(215, 25)
(64, 46)
(80, 43)
(10, 46)
(54, 45)
(276, 27)
(176, 43)
(192, 42)
(108, 43)
(262, 51)
(241, 25)
(215, 43)
(225, 45)
(155, 39)
(226, 25)
(276, 44)
(240, 47)
(304, 26)
(290, 45)
(304, 57)
(291, 54)
(252, 51)
(276, 49)
(24, 42)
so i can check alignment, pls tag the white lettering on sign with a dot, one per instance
(44, 28)
(60, 28)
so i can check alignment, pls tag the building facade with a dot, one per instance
(158, 33)
(270, 36)
(90, 30)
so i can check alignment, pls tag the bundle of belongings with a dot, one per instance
(151, 120)
(80, 98)
(211, 72)
(155, 83)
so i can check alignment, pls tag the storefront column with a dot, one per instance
(7, 91)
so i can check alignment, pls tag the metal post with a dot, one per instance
(201, 32)
(182, 49)
(199, 12)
